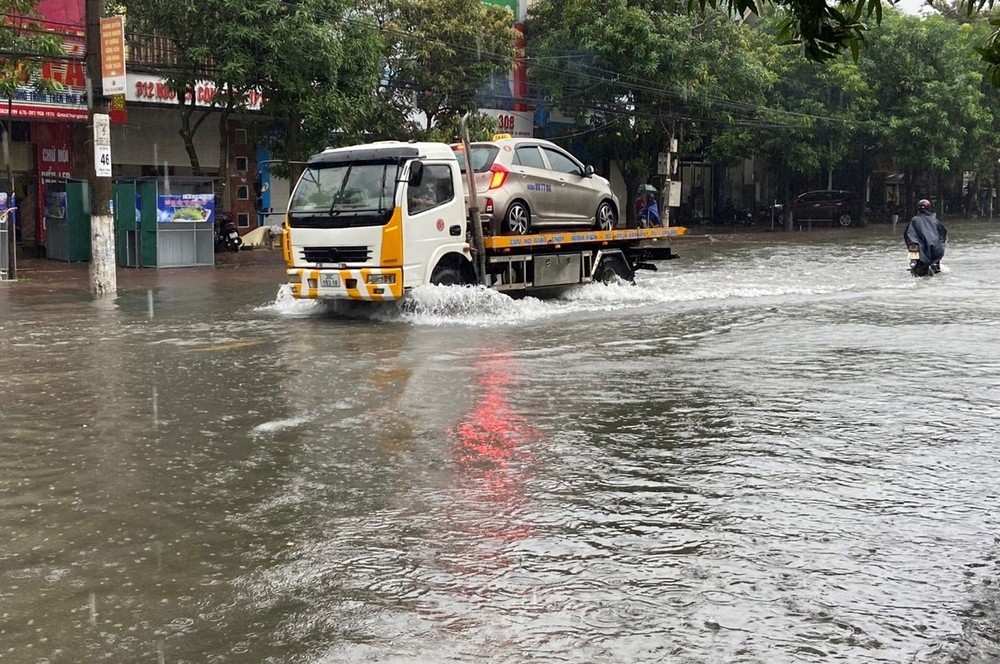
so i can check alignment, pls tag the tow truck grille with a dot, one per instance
(337, 254)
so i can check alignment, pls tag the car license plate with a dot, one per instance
(914, 255)
(234, 235)
(329, 281)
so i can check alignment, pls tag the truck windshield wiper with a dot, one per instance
(338, 197)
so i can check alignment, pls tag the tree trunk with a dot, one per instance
(188, 130)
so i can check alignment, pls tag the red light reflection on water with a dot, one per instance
(491, 452)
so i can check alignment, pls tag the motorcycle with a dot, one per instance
(918, 268)
(227, 236)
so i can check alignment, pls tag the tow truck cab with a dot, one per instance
(372, 221)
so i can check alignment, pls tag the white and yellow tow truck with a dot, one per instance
(372, 222)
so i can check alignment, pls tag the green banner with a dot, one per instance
(505, 3)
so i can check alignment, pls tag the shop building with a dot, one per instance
(51, 143)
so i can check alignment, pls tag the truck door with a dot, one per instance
(433, 215)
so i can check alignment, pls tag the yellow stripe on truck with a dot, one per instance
(286, 243)
(392, 241)
(314, 292)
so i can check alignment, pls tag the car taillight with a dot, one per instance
(499, 176)
(488, 206)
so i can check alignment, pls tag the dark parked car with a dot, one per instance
(821, 206)
(833, 206)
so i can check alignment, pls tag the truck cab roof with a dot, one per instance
(383, 151)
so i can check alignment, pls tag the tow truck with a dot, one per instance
(372, 222)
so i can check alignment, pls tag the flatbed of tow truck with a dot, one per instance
(514, 264)
(560, 238)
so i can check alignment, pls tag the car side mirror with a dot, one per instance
(588, 171)
(416, 173)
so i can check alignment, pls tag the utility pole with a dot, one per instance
(103, 276)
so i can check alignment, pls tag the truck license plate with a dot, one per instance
(329, 281)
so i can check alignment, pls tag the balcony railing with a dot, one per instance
(154, 53)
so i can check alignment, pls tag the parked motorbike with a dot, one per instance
(918, 268)
(227, 235)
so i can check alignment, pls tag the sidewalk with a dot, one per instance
(48, 274)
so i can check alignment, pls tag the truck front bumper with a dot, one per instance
(363, 284)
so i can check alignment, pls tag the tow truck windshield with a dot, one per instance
(351, 194)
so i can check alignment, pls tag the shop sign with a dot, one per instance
(53, 145)
(143, 88)
(185, 207)
(68, 102)
(519, 124)
(113, 54)
(116, 109)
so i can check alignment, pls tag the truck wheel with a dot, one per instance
(613, 268)
(446, 276)
(517, 221)
(606, 219)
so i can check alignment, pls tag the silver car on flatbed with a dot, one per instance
(526, 184)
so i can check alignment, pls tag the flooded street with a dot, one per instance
(781, 449)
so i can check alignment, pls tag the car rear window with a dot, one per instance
(482, 156)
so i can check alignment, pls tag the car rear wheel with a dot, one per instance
(606, 217)
(845, 219)
(517, 221)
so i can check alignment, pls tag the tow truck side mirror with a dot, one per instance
(416, 173)
(588, 171)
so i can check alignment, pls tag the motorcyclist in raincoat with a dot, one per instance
(929, 235)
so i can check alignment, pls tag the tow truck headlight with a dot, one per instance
(382, 279)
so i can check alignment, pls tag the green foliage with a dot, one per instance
(315, 63)
(318, 71)
(23, 44)
(990, 53)
(930, 110)
(633, 74)
(825, 29)
(447, 129)
(439, 58)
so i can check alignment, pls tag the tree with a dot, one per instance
(317, 71)
(931, 112)
(825, 29)
(814, 119)
(440, 56)
(23, 46)
(313, 63)
(635, 73)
